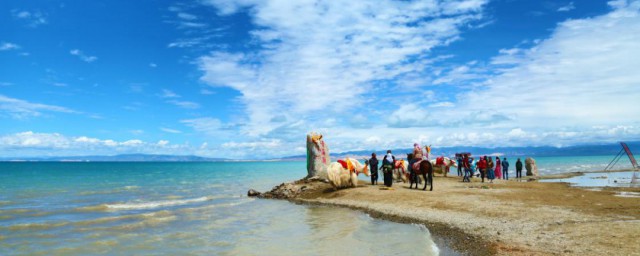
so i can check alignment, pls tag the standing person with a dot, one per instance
(518, 169)
(505, 168)
(491, 175)
(373, 165)
(473, 163)
(482, 167)
(467, 169)
(498, 168)
(459, 159)
(388, 162)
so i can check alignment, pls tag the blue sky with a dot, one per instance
(248, 79)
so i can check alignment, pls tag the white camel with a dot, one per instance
(444, 167)
(400, 171)
(341, 177)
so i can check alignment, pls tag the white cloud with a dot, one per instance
(82, 56)
(267, 144)
(184, 104)
(39, 144)
(444, 104)
(204, 92)
(4, 46)
(18, 108)
(168, 94)
(172, 99)
(567, 7)
(207, 125)
(32, 19)
(187, 16)
(323, 57)
(582, 75)
(363, 74)
(169, 130)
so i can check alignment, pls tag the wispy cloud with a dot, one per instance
(172, 98)
(5, 46)
(168, 94)
(19, 109)
(574, 86)
(170, 130)
(32, 19)
(184, 19)
(567, 7)
(184, 104)
(582, 75)
(186, 16)
(84, 57)
(323, 57)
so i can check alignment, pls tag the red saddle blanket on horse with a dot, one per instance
(416, 165)
(440, 161)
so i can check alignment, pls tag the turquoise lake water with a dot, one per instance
(194, 208)
(178, 209)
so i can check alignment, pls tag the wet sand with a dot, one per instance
(502, 218)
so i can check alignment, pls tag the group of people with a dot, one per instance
(467, 166)
(486, 167)
(388, 164)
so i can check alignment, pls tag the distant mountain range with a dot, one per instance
(582, 150)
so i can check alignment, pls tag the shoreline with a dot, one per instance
(501, 218)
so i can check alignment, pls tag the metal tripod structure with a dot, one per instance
(634, 163)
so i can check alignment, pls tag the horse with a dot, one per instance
(400, 171)
(444, 167)
(424, 168)
(342, 177)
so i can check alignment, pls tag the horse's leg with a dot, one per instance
(413, 179)
(424, 176)
(430, 179)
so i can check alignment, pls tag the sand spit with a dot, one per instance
(503, 218)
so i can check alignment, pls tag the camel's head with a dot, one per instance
(316, 138)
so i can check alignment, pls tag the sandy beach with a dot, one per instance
(502, 218)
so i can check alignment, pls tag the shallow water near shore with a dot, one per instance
(599, 179)
(181, 208)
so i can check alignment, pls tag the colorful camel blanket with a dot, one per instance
(400, 164)
(346, 164)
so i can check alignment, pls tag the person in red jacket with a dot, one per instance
(482, 167)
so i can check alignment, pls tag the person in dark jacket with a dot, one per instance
(518, 169)
(373, 165)
(388, 162)
(505, 168)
